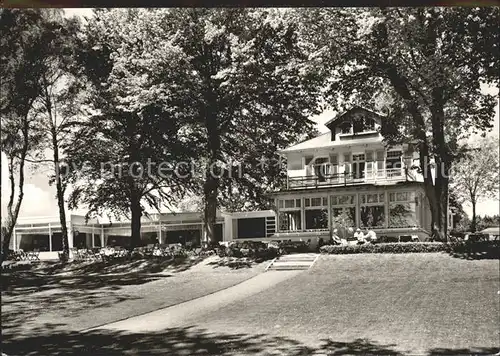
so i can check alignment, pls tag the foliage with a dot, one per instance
(29, 39)
(344, 224)
(461, 221)
(486, 221)
(257, 251)
(251, 92)
(135, 133)
(423, 67)
(476, 176)
(287, 247)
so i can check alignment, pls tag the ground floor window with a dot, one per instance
(402, 215)
(30, 242)
(316, 219)
(184, 237)
(344, 217)
(57, 244)
(80, 240)
(290, 220)
(97, 240)
(117, 240)
(372, 216)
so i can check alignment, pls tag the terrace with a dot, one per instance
(369, 176)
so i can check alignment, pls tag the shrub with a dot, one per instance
(490, 247)
(293, 246)
(255, 250)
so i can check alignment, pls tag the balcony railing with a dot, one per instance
(343, 179)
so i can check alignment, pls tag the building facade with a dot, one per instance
(348, 178)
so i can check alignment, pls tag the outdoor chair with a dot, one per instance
(20, 255)
(34, 255)
(74, 251)
(149, 249)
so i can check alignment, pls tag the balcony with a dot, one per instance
(377, 177)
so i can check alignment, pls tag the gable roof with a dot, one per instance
(325, 141)
(350, 111)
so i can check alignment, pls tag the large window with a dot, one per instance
(316, 213)
(290, 215)
(251, 227)
(290, 220)
(372, 210)
(343, 214)
(402, 209)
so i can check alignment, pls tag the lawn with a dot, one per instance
(367, 304)
(416, 303)
(83, 295)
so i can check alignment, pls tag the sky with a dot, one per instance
(39, 197)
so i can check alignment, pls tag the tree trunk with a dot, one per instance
(136, 212)
(60, 194)
(436, 192)
(210, 209)
(212, 177)
(12, 214)
(473, 226)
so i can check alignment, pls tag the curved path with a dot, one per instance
(186, 313)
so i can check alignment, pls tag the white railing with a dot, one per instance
(372, 176)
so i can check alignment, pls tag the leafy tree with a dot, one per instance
(476, 176)
(252, 89)
(428, 64)
(127, 147)
(26, 42)
(486, 221)
(57, 106)
(461, 221)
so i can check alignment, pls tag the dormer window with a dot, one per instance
(369, 124)
(345, 127)
(363, 125)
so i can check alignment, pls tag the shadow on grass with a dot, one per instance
(179, 341)
(91, 275)
(472, 351)
(478, 251)
(190, 341)
(231, 263)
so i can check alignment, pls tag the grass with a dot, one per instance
(367, 304)
(76, 297)
(417, 303)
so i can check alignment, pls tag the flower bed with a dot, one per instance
(257, 251)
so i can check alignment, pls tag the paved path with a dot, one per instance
(187, 313)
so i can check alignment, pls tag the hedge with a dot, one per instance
(489, 247)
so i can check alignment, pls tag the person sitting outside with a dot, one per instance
(370, 236)
(358, 235)
(335, 238)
